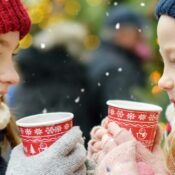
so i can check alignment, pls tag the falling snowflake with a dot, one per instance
(28, 131)
(120, 114)
(99, 84)
(117, 26)
(107, 14)
(120, 69)
(49, 130)
(43, 45)
(112, 111)
(130, 116)
(152, 117)
(107, 74)
(66, 126)
(142, 117)
(38, 131)
(82, 90)
(77, 100)
(58, 128)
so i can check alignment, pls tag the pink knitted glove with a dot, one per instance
(116, 151)
(102, 139)
(120, 160)
(145, 158)
(126, 159)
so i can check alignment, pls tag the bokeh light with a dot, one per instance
(94, 2)
(72, 7)
(92, 42)
(155, 76)
(26, 42)
(156, 90)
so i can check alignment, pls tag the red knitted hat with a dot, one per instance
(14, 17)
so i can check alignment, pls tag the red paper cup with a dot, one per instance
(139, 118)
(40, 131)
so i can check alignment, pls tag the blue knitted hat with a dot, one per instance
(166, 7)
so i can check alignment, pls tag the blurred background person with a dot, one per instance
(116, 67)
(53, 79)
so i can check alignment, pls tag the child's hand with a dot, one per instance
(106, 137)
(116, 151)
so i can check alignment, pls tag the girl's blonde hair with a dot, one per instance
(169, 149)
(11, 134)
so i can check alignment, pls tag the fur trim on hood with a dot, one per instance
(68, 34)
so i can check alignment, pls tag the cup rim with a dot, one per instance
(134, 105)
(66, 116)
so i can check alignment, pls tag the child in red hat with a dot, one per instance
(67, 155)
(14, 25)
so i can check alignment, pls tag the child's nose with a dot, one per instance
(166, 83)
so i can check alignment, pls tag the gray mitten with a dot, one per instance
(65, 157)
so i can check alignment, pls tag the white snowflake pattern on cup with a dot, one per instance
(66, 126)
(112, 111)
(142, 117)
(152, 117)
(120, 114)
(28, 131)
(130, 116)
(38, 131)
(58, 129)
(49, 130)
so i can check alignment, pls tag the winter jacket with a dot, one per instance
(52, 81)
